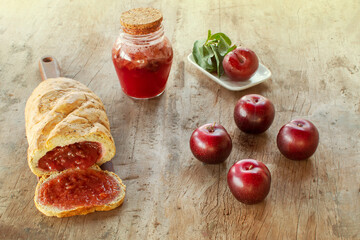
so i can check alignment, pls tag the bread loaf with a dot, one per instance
(61, 112)
(69, 136)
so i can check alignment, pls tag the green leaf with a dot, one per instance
(209, 35)
(217, 36)
(219, 66)
(223, 46)
(230, 49)
(209, 58)
(203, 55)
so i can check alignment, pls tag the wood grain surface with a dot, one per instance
(313, 51)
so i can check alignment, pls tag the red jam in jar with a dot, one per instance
(142, 54)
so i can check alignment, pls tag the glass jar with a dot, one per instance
(142, 55)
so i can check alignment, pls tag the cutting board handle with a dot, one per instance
(49, 67)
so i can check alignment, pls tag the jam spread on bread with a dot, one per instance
(79, 187)
(78, 155)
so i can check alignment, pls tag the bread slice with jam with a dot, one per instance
(79, 192)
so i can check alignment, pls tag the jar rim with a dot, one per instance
(144, 39)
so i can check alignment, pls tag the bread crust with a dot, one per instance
(52, 211)
(63, 111)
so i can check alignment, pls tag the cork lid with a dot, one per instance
(140, 21)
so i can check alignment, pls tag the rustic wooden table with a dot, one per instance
(313, 51)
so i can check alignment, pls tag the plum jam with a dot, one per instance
(78, 155)
(79, 187)
(142, 54)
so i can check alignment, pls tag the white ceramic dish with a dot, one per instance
(261, 74)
